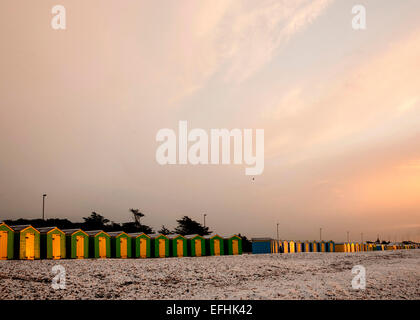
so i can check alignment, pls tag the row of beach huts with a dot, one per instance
(26, 242)
(269, 245)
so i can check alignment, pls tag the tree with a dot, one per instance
(95, 222)
(164, 230)
(246, 244)
(188, 226)
(137, 215)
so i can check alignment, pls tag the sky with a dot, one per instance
(80, 109)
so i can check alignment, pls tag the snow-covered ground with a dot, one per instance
(389, 275)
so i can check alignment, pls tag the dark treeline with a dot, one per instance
(96, 221)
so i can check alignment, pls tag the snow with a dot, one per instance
(389, 275)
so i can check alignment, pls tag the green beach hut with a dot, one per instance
(53, 243)
(196, 245)
(233, 245)
(77, 244)
(6, 242)
(99, 244)
(120, 244)
(214, 245)
(26, 242)
(160, 245)
(141, 245)
(178, 245)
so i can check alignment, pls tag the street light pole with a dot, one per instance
(43, 206)
(277, 231)
(204, 219)
(320, 234)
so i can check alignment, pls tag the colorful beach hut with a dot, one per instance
(160, 245)
(141, 245)
(306, 246)
(233, 245)
(298, 246)
(292, 247)
(314, 247)
(26, 242)
(285, 246)
(99, 244)
(178, 245)
(196, 245)
(330, 246)
(322, 246)
(53, 243)
(6, 242)
(120, 244)
(340, 247)
(214, 245)
(77, 244)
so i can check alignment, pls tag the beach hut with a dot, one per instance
(340, 247)
(330, 246)
(352, 247)
(298, 246)
(120, 244)
(6, 242)
(77, 244)
(285, 246)
(322, 246)
(26, 242)
(178, 245)
(306, 246)
(292, 247)
(141, 245)
(53, 243)
(233, 245)
(99, 244)
(314, 247)
(214, 245)
(160, 245)
(196, 245)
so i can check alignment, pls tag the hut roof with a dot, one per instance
(47, 229)
(261, 239)
(155, 235)
(173, 236)
(232, 236)
(138, 234)
(22, 227)
(71, 231)
(4, 224)
(116, 233)
(192, 236)
(95, 232)
(212, 235)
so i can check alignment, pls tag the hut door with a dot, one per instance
(80, 247)
(102, 247)
(217, 247)
(180, 248)
(162, 250)
(123, 247)
(3, 245)
(198, 248)
(56, 245)
(143, 248)
(29, 246)
(235, 247)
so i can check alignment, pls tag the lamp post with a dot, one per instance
(277, 231)
(43, 206)
(204, 215)
(320, 234)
